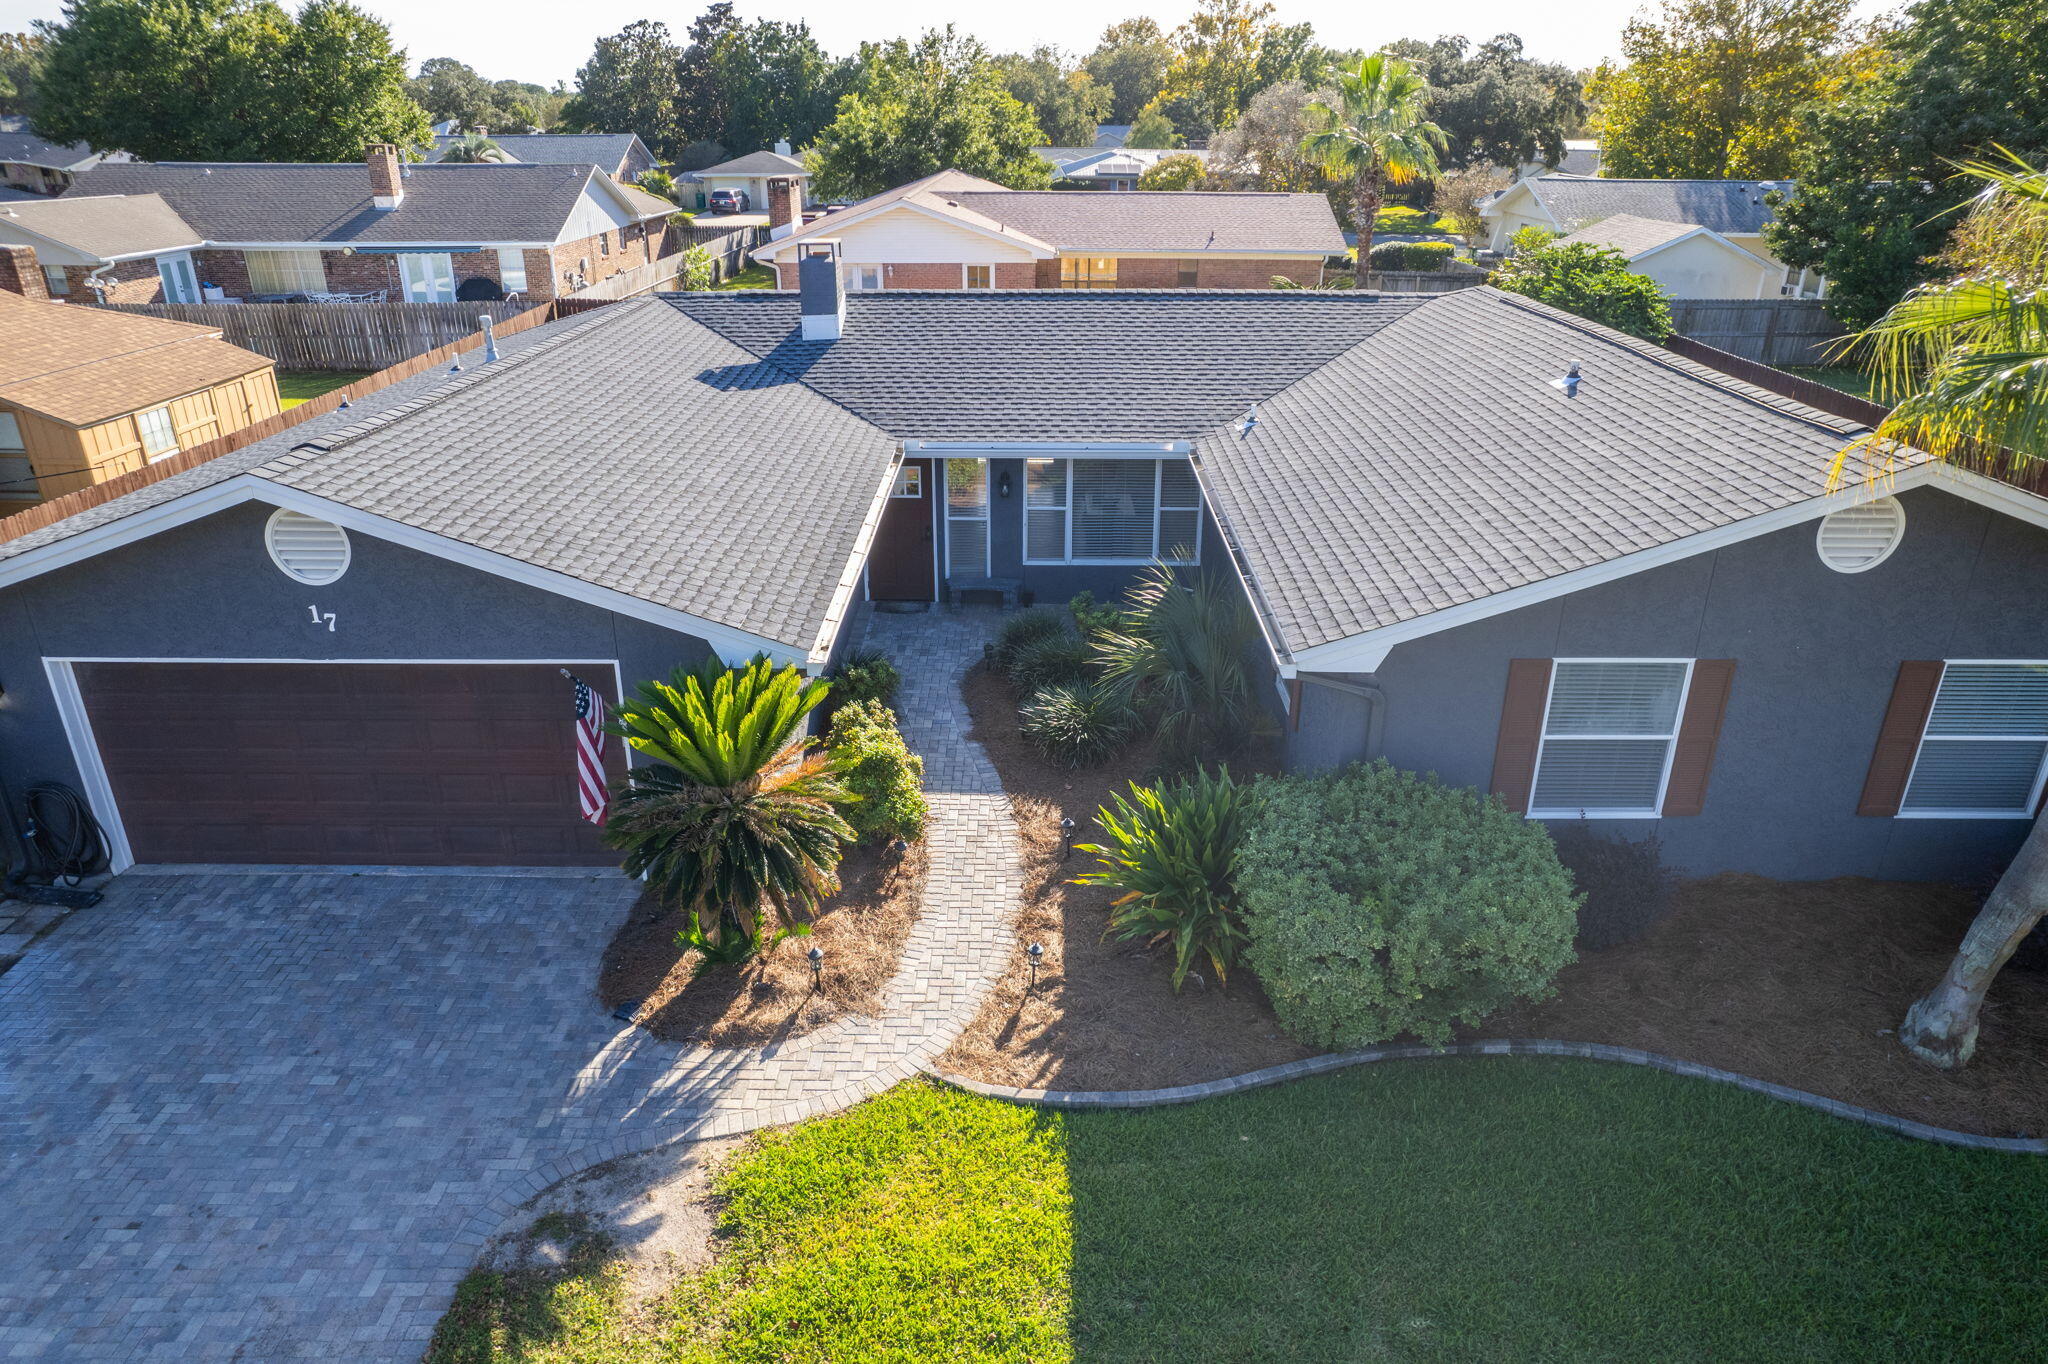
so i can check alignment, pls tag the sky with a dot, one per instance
(546, 40)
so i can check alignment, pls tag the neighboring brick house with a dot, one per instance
(188, 232)
(89, 394)
(957, 231)
(622, 156)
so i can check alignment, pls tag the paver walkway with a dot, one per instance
(273, 1116)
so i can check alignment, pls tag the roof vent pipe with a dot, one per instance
(1571, 381)
(1249, 421)
(490, 337)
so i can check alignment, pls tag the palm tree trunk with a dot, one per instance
(1365, 210)
(1941, 1027)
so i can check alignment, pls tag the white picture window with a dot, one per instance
(159, 436)
(1986, 740)
(286, 272)
(512, 270)
(909, 481)
(1111, 511)
(865, 278)
(1608, 731)
(978, 276)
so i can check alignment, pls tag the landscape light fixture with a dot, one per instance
(1066, 836)
(1035, 953)
(817, 956)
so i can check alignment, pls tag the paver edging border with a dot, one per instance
(1590, 1051)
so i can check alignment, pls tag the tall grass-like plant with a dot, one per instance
(1172, 850)
(1078, 726)
(1184, 652)
(734, 821)
(1022, 629)
(1060, 660)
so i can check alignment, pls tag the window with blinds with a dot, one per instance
(966, 518)
(1982, 752)
(1111, 511)
(1087, 272)
(1608, 731)
(285, 272)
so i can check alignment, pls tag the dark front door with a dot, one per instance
(448, 764)
(900, 567)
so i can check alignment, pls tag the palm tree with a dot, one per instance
(1375, 134)
(1966, 361)
(1182, 650)
(475, 149)
(735, 819)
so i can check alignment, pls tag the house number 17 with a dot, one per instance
(314, 612)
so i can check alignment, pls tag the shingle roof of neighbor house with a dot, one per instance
(605, 150)
(86, 365)
(237, 201)
(17, 143)
(757, 163)
(1725, 205)
(1411, 452)
(1632, 236)
(106, 226)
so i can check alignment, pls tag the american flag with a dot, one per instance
(591, 792)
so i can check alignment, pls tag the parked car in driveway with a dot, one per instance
(729, 201)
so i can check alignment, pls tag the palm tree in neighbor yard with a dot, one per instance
(1966, 361)
(1376, 133)
(475, 149)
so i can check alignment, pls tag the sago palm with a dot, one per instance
(1966, 361)
(1376, 133)
(734, 818)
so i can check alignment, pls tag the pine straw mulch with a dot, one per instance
(862, 931)
(1104, 1015)
(1800, 983)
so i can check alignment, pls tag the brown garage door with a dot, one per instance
(423, 764)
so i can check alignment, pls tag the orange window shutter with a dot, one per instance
(1898, 739)
(1692, 762)
(1521, 730)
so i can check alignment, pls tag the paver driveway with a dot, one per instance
(266, 1117)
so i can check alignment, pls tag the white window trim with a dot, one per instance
(854, 286)
(142, 434)
(2040, 773)
(966, 279)
(1670, 743)
(1066, 509)
(909, 477)
(988, 548)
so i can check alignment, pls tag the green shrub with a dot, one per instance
(876, 765)
(865, 675)
(1091, 618)
(1412, 255)
(1592, 281)
(1060, 660)
(1532, 238)
(1378, 902)
(1172, 850)
(1183, 654)
(1078, 726)
(1020, 630)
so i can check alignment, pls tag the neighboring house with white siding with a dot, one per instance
(1686, 260)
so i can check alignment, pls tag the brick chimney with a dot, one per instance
(20, 274)
(387, 182)
(785, 205)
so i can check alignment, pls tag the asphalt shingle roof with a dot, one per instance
(235, 201)
(1048, 365)
(758, 163)
(605, 150)
(1192, 221)
(721, 490)
(101, 225)
(17, 143)
(1725, 205)
(1435, 464)
(1629, 234)
(82, 366)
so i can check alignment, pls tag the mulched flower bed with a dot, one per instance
(1801, 983)
(862, 931)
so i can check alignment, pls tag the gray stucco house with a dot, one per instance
(1640, 598)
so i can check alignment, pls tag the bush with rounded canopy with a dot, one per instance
(876, 765)
(1378, 902)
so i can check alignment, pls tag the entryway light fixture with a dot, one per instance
(1003, 484)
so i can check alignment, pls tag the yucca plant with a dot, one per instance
(1080, 725)
(1172, 850)
(734, 821)
(1058, 660)
(1021, 629)
(1183, 651)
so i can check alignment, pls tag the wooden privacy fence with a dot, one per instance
(1423, 281)
(56, 509)
(641, 279)
(1830, 400)
(366, 336)
(1771, 331)
(728, 247)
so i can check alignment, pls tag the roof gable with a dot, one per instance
(101, 227)
(1726, 206)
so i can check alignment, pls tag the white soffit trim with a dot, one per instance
(854, 572)
(833, 224)
(1365, 652)
(733, 644)
(1013, 449)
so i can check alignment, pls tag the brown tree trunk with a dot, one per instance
(1941, 1027)
(1365, 210)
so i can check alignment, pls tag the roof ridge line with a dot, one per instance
(331, 441)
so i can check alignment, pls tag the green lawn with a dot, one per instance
(1401, 218)
(1500, 1209)
(301, 385)
(1842, 377)
(753, 277)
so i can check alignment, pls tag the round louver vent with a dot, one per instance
(309, 550)
(1861, 537)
